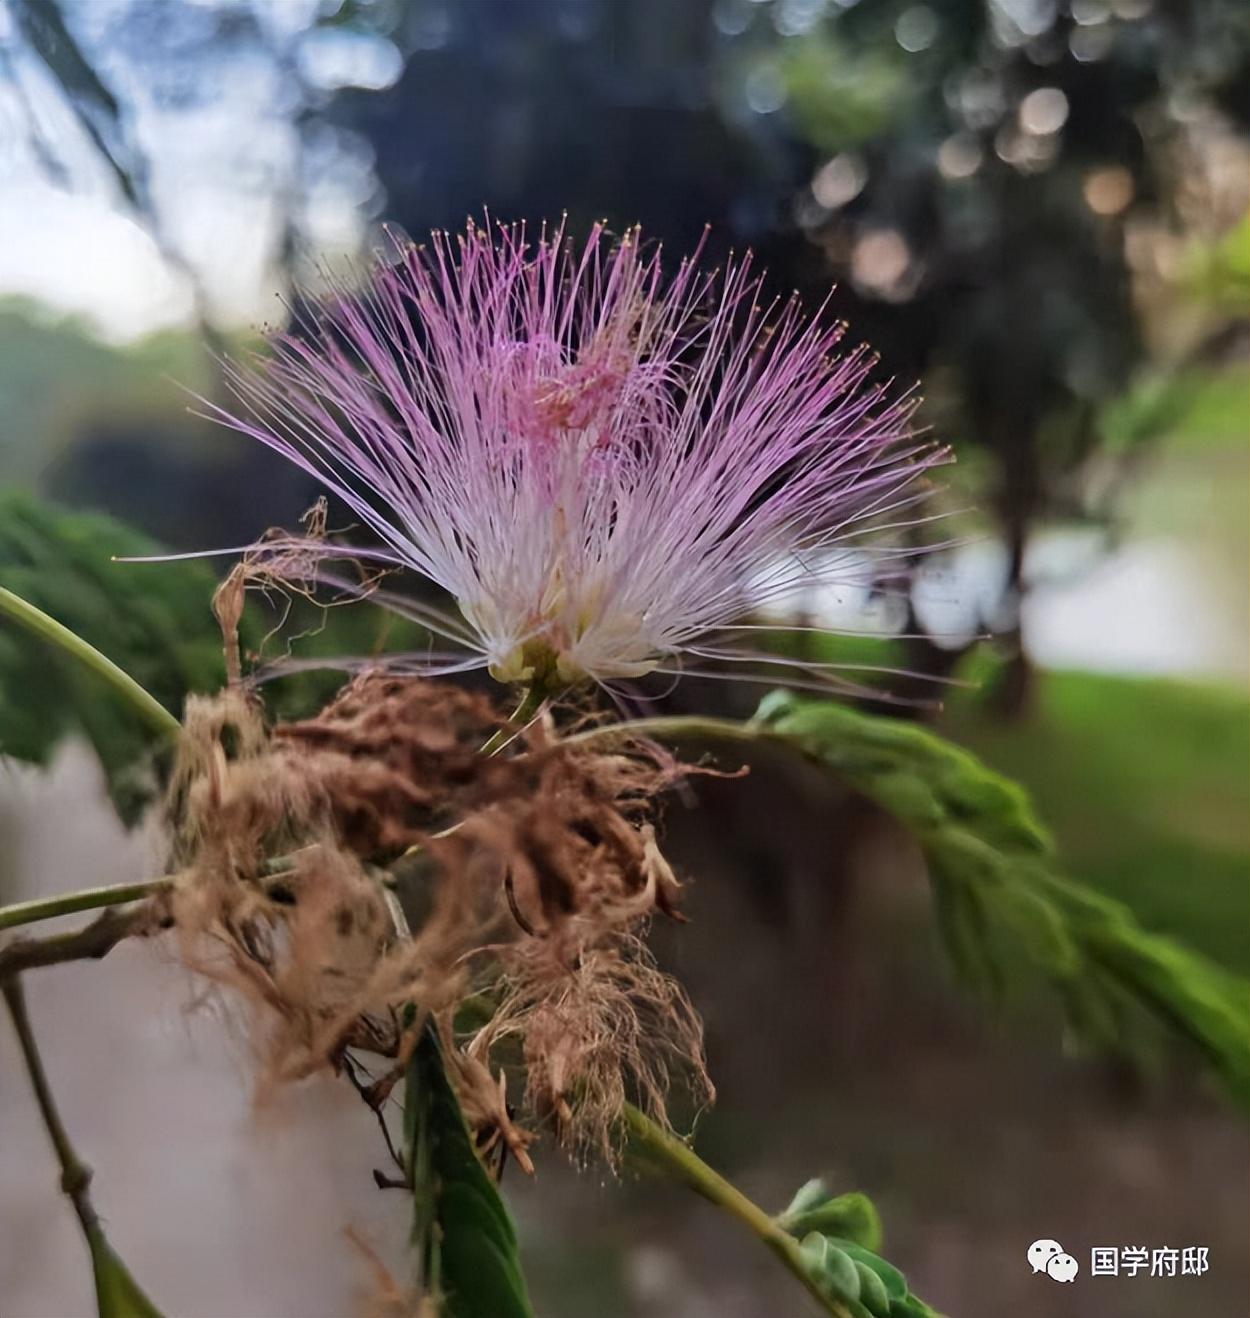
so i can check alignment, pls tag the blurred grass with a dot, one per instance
(1146, 781)
(1189, 410)
(1145, 784)
(1219, 411)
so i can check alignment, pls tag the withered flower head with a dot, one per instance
(520, 886)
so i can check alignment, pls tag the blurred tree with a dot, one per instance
(192, 110)
(988, 175)
(1001, 185)
(601, 108)
(212, 106)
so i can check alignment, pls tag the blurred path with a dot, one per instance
(220, 1210)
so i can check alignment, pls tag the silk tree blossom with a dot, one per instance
(604, 467)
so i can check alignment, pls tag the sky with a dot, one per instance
(224, 158)
(76, 253)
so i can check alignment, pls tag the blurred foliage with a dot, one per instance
(1144, 783)
(598, 108)
(1217, 412)
(154, 623)
(1196, 407)
(984, 167)
(116, 64)
(983, 214)
(43, 418)
(839, 96)
(1001, 903)
(1218, 273)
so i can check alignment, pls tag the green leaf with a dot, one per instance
(831, 1267)
(999, 897)
(872, 1292)
(806, 1197)
(118, 1295)
(860, 1279)
(850, 1216)
(839, 1237)
(465, 1242)
(911, 1306)
(892, 1281)
(154, 622)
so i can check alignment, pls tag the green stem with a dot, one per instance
(119, 894)
(681, 1162)
(674, 727)
(86, 899)
(532, 701)
(75, 1174)
(117, 1292)
(35, 620)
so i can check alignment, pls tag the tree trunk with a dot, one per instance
(1012, 695)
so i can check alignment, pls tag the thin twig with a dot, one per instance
(510, 892)
(366, 1092)
(116, 1290)
(91, 942)
(680, 1161)
(75, 1174)
(385, 1182)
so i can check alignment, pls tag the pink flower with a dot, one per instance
(603, 467)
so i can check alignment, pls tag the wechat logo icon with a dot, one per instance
(1048, 1256)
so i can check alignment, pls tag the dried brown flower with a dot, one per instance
(524, 882)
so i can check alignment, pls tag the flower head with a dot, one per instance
(602, 466)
